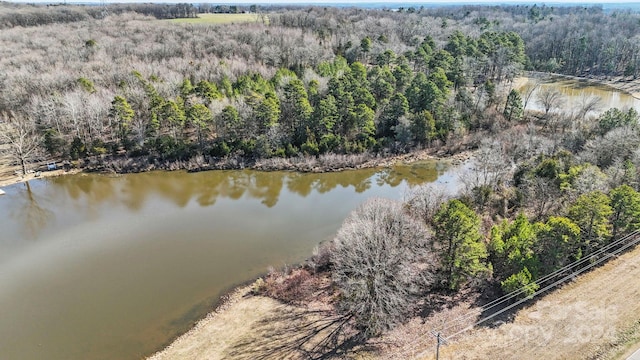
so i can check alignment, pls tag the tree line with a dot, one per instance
(26, 15)
(262, 91)
(429, 76)
(568, 39)
(572, 40)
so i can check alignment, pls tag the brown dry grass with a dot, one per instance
(586, 319)
(257, 327)
(597, 316)
(8, 172)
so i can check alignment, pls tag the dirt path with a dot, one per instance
(9, 177)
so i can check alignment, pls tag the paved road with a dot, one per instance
(635, 355)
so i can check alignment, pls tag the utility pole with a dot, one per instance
(440, 341)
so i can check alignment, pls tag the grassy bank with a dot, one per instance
(587, 318)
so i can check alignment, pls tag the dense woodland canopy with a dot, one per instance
(105, 80)
(546, 189)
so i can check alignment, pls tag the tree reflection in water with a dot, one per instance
(31, 213)
(92, 192)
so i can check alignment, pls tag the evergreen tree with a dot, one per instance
(123, 114)
(207, 91)
(423, 127)
(200, 117)
(558, 243)
(591, 213)
(186, 88)
(267, 112)
(173, 115)
(459, 244)
(513, 109)
(295, 110)
(325, 115)
(512, 253)
(625, 202)
(398, 106)
(228, 123)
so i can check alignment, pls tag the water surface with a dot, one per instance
(575, 93)
(99, 267)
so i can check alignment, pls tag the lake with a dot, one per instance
(115, 267)
(574, 92)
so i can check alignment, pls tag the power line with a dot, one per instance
(513, 294)
(539, 344)
(540, 281)
(440, 341)
(630, 244)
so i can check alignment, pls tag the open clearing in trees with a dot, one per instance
(219, 19)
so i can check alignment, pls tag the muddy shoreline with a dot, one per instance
(322, 164)
(627, 85)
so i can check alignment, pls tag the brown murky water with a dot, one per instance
(97, 267)
(575, 93)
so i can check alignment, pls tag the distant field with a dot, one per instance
(219, 19)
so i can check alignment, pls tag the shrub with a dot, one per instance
(321, 258)
(77, 149)
(380, 263)
(291, 287)
(522, 281)
(220, 149)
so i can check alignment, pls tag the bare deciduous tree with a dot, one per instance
(618, 143)
(19, 136)
(549, 98)
(489, 168)
(528, 92)
(380, 263)
(543, 195)
(424, 201)
(588, 104)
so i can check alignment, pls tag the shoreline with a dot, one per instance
(226, 301)
(241, 326)
(619, 83)
(298, 164)
(9, 180)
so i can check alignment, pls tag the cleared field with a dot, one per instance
(219, 19)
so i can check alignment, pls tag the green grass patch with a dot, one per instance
(219, 19)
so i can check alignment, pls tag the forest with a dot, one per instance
(119, 89)
(83, 84)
